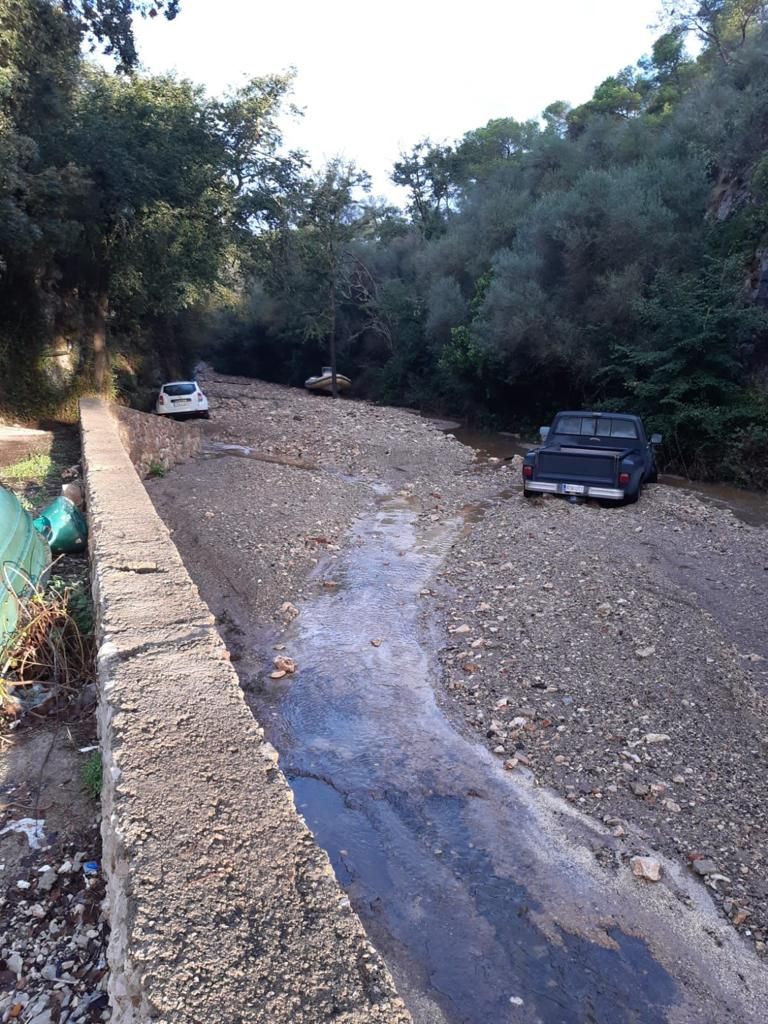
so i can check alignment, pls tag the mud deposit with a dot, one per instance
(491, 900)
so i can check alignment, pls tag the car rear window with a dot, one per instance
(596, 426)
(179, 389)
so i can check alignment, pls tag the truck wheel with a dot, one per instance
(631, 499)
(528, 494)
(653, 476)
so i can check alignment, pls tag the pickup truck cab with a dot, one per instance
(605, 455)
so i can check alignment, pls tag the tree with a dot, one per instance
(428, 172)
(722, 25)
(108, 23)
(332, 215)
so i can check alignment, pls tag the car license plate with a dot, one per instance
(572, 488)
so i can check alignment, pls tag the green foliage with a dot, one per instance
(124, 202)
(609, 255)
(156, 469)
(92, 774)
(34, 468)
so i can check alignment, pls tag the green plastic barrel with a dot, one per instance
(24, 555)
(63, 526)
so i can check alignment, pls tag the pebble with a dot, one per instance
(704, 867)
(646, 867)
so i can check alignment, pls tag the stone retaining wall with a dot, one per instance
(156, 440)
(221, 905)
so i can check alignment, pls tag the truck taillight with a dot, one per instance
(623, 479)
(160, 399)
(527, 472)
(200, 396)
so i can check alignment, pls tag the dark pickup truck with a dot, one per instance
(603, 455)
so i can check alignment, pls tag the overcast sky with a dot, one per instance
(374, 78)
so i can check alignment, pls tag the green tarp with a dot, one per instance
(24, 554)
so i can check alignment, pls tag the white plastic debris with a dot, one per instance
(32, 828)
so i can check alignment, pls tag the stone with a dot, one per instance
(702, 866)
(645, 652)
(14, 963)
(463, 629)
(646, 867)
(47, 880)
(656, 737)
(640, 788)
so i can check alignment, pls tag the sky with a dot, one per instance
(375, 78)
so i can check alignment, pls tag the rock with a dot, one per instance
(640, 788)
(464, 628)
(672, 806)
(14, 963)
(287, 611)
(604, 610)
(646, 867)
(278, 674)
(645, 652)
(511, 764)
(656, 737)
(702, 867)
(284, 664)
(377, 642)
(47, 881)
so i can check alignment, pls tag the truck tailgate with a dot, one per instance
(578, 465)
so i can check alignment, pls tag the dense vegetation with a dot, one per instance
(612, 254)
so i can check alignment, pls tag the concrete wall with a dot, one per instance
(156, 440)
(221, 905)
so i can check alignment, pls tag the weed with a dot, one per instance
(35, 467)
(49, 647)
(156, 469)
(92, 774)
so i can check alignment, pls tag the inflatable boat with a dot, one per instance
(323, 382)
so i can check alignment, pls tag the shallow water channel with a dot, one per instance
(481, 891)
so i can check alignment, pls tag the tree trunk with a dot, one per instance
(99, 343)
(332, 306)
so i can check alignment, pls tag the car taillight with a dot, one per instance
(161, 400)
(527, 472)
(623, 479)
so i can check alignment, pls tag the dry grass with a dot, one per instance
(49, 649)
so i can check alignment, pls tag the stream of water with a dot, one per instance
(481, 892)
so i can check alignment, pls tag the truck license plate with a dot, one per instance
(572, 488)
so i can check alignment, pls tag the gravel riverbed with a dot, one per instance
(574, 649)
(619, 655)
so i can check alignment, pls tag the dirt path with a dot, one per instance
(572, 647)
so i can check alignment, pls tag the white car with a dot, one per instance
(181, 397)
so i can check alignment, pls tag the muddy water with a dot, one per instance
(748, 506)
(482, 892)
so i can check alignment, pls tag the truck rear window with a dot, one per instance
(592, 426)
(179, 389)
